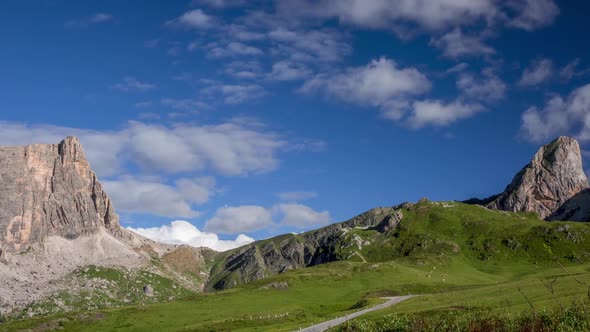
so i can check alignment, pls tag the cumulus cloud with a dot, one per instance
(137, 195)
(437, 113)
(250, 218)
(129, 84)
(183, 232)
(295, 196)
(193, 19)
(230, 148)
(236, 219)
(384, 14)
(403, 16)
(104, 161)
(534, 14)
(539, 71)
(301, 216)
(455, 44)
(560, 116)
(486, 87)
(381, 84)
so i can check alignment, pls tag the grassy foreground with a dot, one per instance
(463, 260)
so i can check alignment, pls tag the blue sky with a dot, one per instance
(265, 117)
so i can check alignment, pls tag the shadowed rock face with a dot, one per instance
(553, 177)
(576, 208)
(50, 189)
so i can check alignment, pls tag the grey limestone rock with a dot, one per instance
(554, 175)
(50, 189)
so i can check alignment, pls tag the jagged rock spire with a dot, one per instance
(554, 175)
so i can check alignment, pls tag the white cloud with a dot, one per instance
(456, 44)
(404, 16)
(295, 196)
(233, 49)
(560, 116)
(457, 68)
(250, 218)
(90, 20)
(301, 216)
(244, 69)
(324, 45)
(570, 70)
(182, 232)
(230, 148)
(136, 195)
(534, 14)
(288, 71)
(104, 161)
(189, 105)
(488, 86)
(236, 93)
(381, 84)
(193, 19)
(389, 14)
(242, 33)
(237, 219)
(130, 83)
(539, 71)
(436, 113)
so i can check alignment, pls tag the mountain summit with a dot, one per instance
(50, 189)
(553, 177)
(58, 229)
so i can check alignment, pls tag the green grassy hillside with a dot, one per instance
(458, 257)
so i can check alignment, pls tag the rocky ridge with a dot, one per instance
(292, 251)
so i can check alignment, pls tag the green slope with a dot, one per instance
(459, 257)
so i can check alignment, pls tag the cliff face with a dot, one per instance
(554, 176)
(56, 220)
(50, 190)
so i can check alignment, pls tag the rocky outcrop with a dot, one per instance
(50, 190)
(264, 258)
(554, 176)
(55, 218)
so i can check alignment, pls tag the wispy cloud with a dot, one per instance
(130, 84)
(90, 20)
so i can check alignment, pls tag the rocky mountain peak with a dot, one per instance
(50, 189)
(554, 175)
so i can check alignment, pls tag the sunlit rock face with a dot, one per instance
(553, 177)
(50, 189)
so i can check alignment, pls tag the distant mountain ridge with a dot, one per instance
(57, 223)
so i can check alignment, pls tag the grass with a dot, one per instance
(462, 259)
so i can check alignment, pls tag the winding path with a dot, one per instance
(331, 323)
